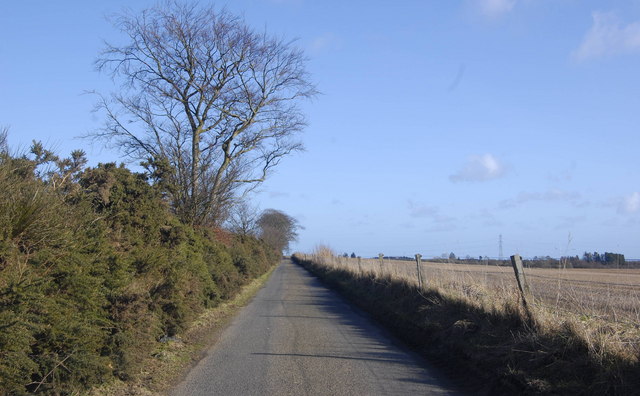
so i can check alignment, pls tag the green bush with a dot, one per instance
(92, 275)
(51, 297)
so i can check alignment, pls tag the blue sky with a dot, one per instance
(441, 124)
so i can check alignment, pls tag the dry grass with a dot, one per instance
(610, 294)
(601, 306)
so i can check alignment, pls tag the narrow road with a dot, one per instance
(299, 338)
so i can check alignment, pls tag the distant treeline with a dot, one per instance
(588, 260)
(95, 270)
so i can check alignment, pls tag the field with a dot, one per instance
(579, 331)
(609, 294)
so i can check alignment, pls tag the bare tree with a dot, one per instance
(243, 219)
(278, 229)
(205, 98)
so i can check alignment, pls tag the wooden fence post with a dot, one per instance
(525, 292)
(381, 257)
(419, 269)
(360, 265)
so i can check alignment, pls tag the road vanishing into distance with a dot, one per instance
(299, 338)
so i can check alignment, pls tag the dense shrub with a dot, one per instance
(93, 274)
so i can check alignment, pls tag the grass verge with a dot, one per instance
(495, 349)
(171, 360)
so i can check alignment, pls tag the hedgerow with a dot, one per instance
(94, 270)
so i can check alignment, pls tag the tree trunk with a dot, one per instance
(195, 169)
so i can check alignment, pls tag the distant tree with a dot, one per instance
(278, 229)
(353, 255)
(206, 98)
(345, 254)
(614, 259)
(452, 256)
(568, 261)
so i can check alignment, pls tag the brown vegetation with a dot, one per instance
(605, 293)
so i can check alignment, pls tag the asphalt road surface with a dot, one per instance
(299, 338)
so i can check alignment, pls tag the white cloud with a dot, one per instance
(608, 36)
(479, 168)
(495, 8)
(630, 203)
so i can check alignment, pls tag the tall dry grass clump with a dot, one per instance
(472, 316)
